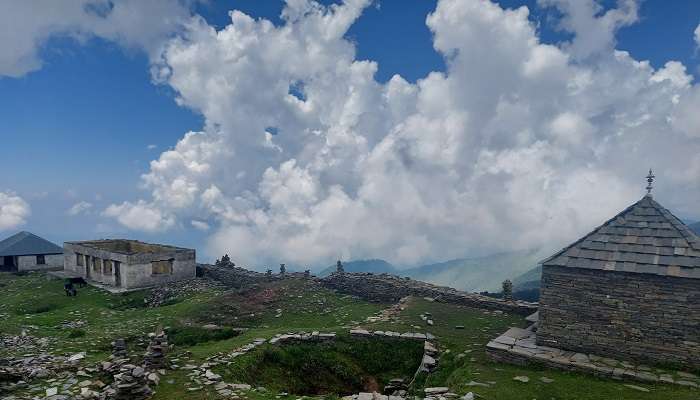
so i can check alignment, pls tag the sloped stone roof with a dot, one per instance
(26, 244)
(644, 238)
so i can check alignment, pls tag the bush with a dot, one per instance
(192, 335)
(130, 301)
(76, 333)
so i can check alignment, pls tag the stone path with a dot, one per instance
(517, 346)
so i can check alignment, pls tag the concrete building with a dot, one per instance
(26, 251)
(128, 264)
(628, 290)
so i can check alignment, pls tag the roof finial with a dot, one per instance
(650, 181)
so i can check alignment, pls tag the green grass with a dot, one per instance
(466, 361)
(343, 366)
(94, 318)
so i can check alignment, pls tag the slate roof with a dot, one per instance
(26, 243)
(644, 238)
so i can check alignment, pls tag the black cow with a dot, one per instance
(70, 289)
(77, 281)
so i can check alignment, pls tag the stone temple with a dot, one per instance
(628, 290)
(128, 264)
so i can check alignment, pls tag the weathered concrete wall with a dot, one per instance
(93, 257)
(139, 272)
(640, 317)
(134, 270)
(28, 263)
(390, 289)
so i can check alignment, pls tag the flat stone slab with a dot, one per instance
(518, 346)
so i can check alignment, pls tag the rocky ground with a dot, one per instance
(97, 345)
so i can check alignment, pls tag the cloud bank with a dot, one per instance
(13, 211)
(26, 25)
(306, 158)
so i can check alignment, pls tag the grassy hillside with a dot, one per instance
(90, 321)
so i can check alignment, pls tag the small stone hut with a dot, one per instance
(26, 251)
(628, 290)
(128, 264)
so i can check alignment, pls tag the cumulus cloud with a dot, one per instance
(26, 25)
(305, 157)
(594, 29)
(201, 225)
(140, 216)
(13, 211)
(697, 35)
(79, 208)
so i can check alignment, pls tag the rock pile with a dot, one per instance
(165, 294)
(130, 383)
(387, 288)
(155, 353)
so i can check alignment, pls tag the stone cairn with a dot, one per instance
(130, 381)
(283, 269)
(119, 349)
(155, 353)
(307, 273)
(339, 267)
(507, 290)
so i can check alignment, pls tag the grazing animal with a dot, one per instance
(77, 281)
(70, 289)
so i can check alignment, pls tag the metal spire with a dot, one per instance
(650, 181)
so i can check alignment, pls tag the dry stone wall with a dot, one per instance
(639, 317)
(387, 288)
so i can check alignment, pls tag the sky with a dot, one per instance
(304, 132)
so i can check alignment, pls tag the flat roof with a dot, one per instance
(128, 247)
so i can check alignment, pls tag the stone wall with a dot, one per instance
(28, 263)
(639, 317)
(387, 288)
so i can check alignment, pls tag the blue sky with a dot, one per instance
(85, 126)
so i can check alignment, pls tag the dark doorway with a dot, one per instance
(117, 273)
(9, 264)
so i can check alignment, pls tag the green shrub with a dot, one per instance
(192, 335)
(342, 367)
(130, 301)
(76, 333)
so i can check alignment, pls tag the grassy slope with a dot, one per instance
(456, 371)
(303, 307)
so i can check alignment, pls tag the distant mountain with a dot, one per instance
(695, 227)
(375, 266)
(477, 274)
(528, 280)
(468, 274)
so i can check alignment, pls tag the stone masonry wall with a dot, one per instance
(390, 289)
(631, 316)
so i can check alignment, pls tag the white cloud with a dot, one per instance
(697, 35)
(594, 29)
(79, 208)
(14, 211)
(151, 147)
(518, 144)
(140, 216)
(26, 25)
(201, 225)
